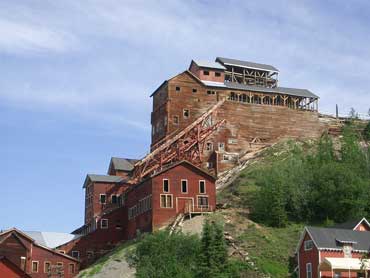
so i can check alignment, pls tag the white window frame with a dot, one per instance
(78, 254)
(306, 243)
(104, 199)
(47, 262)
(187, 186)
(205, 187)
(69, 269)
(160, 203)
(111, 198)
(308, 270)
(168, 186)
(101, 223)
(209, 146)
(183, 113)
(37, 269)
(202, 196)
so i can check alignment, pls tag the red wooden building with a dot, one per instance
(335, 252)
(117, 211)
(32, 259)
(8, 269)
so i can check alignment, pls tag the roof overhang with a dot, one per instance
(344, 264)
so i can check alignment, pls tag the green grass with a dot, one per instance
(117, 254)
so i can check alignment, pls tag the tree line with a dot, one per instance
(329, 185)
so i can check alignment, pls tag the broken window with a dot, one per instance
(186, 113)
(209, 165)
(71, 268)
(206, 72)
(114, 199)
(217, 74)
(209, 146)
(209, 92)
(178, 89)
(195, 90)
(75, 254)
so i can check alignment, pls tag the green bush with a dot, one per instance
(367, 132)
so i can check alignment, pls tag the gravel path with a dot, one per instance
(116, 268)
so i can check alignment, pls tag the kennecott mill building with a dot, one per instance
(339, 251)
(117, 210)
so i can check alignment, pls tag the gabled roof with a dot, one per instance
(14, 267)
(246, 64)
(351, 224)
(123, 164)
(50, 239)
(207, 64)
(103, 179)
(332, 239)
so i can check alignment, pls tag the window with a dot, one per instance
(61, 251)
(209, 165)
(76, 254)
(226, 157)
(47, 267)
(165, 120)
(178, 89)
(194, 91)
(104, 223)
(202, 187)
(103, 198)
(114, 199)
(184, 186)
(217, 74)
(176, 120)
(118, 225)
(206, 72)
(211, 92)
(166, 186)
(35, 266)
(202, 202)
(23, 263)
(71, 268)
(308, 245)
(337, 275)
(186, 113)
(309, 270)
(166, 201)
(221, 146)
(90, 254)
(209, 146)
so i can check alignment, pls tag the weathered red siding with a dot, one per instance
(9, 270)
(306, 257)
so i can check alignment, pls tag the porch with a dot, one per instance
(344, 267)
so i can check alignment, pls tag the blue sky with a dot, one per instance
(76, 78)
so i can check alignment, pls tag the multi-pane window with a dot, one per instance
(209, 146)
(35, 266)
(103, 198)
(166, 201)
(104, 223)
(184, 186)
(202, 187)
(114, 199)
(76, 254)
(202, 202)
(166, 186)
(308, 245)
(309, 270)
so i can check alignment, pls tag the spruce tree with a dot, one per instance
(205, 259)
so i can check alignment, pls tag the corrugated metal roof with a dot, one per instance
(278, 90)
(123, 164)
(102, 178)
(328, 238)
(50, 239)
(246, 64)
(209, 64)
